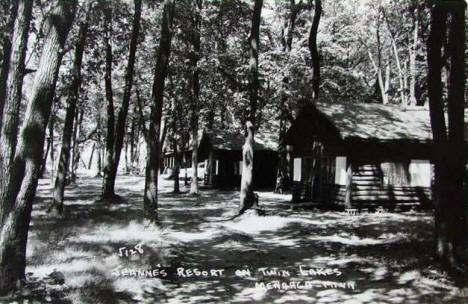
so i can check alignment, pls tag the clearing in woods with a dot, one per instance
(108, 255)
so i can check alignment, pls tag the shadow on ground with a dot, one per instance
(108, 254)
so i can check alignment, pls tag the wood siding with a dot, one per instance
(368, 191)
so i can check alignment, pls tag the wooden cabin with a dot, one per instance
(221, 150)
(185, 156)
(361, 155)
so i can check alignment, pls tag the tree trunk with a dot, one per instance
(453, 197)
(25, 169)
(450, 226)
(153, 142)
(176, 168)
(283, 178)
(109, 182)
(13, 94)
(412, 57)
(98, 146)
(247, 200)
(90, 162)
(76, 146)
(196, 96)
(313, 48)
(247, 196)
(74, 91)
(133, 136)
(5, 69)
(52, 148)
(44, 159)
(109, 172)
(162, 140)
(99, 161)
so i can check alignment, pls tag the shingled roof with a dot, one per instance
(230, 140)
(386, 122)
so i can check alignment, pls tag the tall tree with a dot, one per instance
(153, 155)
(247, 198)
(73, 96)
(313, 48)
(450, 217)
(12, 8)
(114, 157)
(13, 93)
(25, 170)
(194, 58)
(283, 175)
(413, 48)
(107, 187)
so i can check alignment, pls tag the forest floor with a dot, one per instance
(330, 257)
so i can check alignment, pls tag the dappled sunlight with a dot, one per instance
(106, 233)
(257, 224)
(188, 237)
(355, 240)
(381, 257)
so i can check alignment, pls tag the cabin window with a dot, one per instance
(420, 173)
(297, 169)
(216, 167)
(340, 170)
(239, 168)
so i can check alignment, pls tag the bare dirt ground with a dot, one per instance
(108, 254)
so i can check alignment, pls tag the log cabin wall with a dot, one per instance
(375, 184)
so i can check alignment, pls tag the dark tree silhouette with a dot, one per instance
(449, 148)
(24, 172)
(117, 139)
(247, 198)
(153, 143)
(13, 94)
(313, 48)
(74, 91)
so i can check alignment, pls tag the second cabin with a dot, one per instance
(221, 150)
(361, 155)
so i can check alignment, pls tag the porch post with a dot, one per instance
(210, 167)
(349, 184)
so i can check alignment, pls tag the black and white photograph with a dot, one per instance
(233, 151)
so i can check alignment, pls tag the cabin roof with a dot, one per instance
(231, 140)
(385, 122)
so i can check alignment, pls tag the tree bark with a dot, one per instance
(313, 48)
(13, 94)
(454, 204)
(109, 172)
(450, 221)
(176, 170)
(109, 183)
(153, 142)
(74, 91)
(76, 145)
(195, 96)
(283, 177)
(27, 161)
(5, 69)
(44, 159)
(52, 148)
(449, 163)
(412, 57)
(247, 197)
(90, 162)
